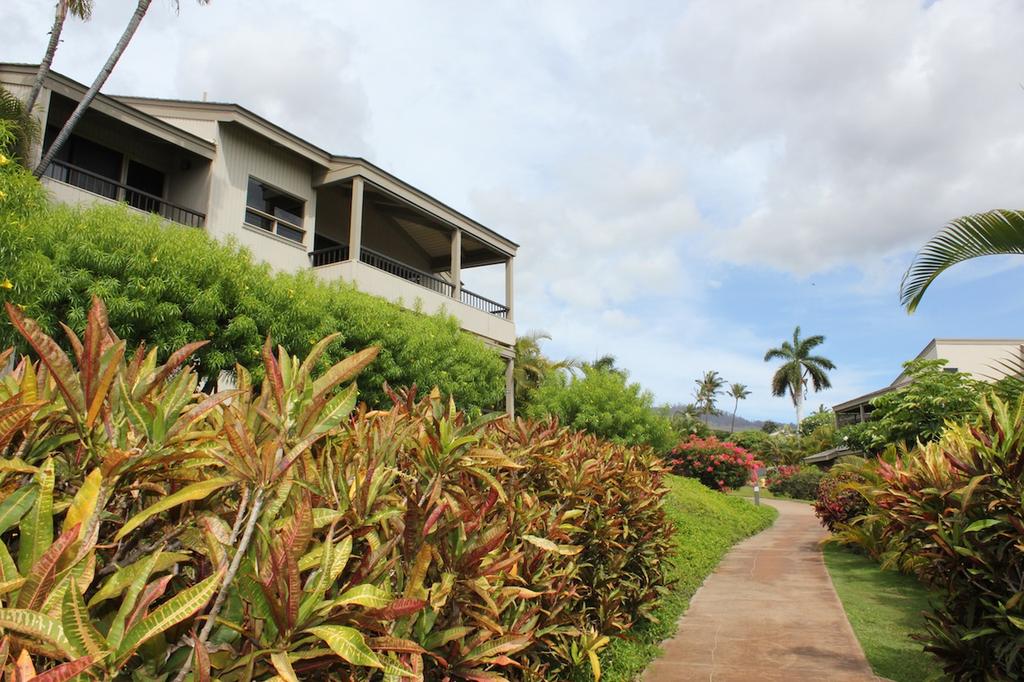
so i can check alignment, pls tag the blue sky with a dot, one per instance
(688, 180)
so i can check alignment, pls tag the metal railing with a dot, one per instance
(105, 187)
(337, 254)
(391, 266)
(328, 256)
(485, 304)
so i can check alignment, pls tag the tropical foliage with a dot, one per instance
(706, 393)
(801, 484)
(718, 465)
(167, 285)
(957, 505)
(737, 392)
(920, 410)
(983, 234)
(799, 367)
(147, 528)
(603, 401)
(838, 501)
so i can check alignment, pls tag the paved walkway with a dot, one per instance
(768, 613)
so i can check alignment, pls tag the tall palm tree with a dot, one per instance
(77, 8)
(799, 367)
(738, 392)
(983, 234)
(122, 44)
(706, 393)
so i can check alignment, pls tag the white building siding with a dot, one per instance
(243, 154)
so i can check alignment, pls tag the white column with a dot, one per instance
(456, 266)
(355, 229)
(510, 387)
(509, 286)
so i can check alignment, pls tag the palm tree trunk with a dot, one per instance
(90, 95)
(732, 427)
(59, 16)
(798, 402)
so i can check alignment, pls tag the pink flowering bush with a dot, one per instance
(778, 475)
(718, 465)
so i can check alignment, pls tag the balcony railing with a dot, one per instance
(483, 303)
(337, 254)
(105, 187)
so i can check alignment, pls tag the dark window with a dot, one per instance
(950, 370)
(149, 181)
(274, 211)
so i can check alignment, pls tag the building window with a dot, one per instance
(272, 210)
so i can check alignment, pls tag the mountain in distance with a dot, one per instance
(723, 420)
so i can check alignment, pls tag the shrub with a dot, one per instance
(718, 465)
(146, 527)
(166, 285)
(775, 475)
(838, 503)
(957, 504)
(604, 403)
(918, 411)
(802, 485)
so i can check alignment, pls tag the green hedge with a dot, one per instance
(167, 285)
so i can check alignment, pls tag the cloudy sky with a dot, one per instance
(688, 180)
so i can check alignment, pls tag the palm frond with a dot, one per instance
(820, 361)
(983, 234)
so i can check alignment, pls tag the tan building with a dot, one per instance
(984, 359)
(221, 168)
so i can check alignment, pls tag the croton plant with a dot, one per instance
(151, 531)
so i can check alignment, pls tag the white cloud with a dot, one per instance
(646, 161)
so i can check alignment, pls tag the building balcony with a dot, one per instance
(89, 186)
(377, 274)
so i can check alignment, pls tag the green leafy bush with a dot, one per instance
(719, 465)
(802, 485)
(920, 410)
(958, 505)
(604, 403)
(167, 284)
(147, 528)
(837, 502)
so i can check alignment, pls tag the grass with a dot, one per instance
(884, 608)
(708, 523)
(748, 491)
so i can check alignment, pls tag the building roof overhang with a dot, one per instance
(113, 107)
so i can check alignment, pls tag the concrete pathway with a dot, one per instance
(768, 613)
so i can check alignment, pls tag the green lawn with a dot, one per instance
(748, 491)
(884, 608)
(708, 524)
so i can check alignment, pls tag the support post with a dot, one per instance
(355, 228)
(509, 286)
(456, 266)
(510, 387)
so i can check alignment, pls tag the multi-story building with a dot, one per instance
(222, 168)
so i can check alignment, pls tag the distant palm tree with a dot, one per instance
(797, 368)
(531, 366)
(706, 393)
(77, 8)
(122, 44)
(983, 234)
(605, 363)
(738, 392)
